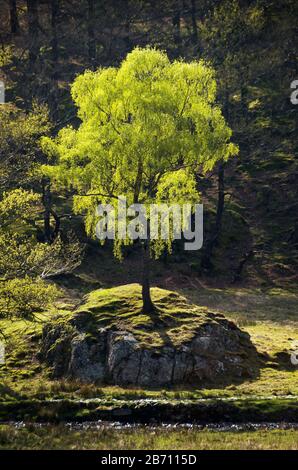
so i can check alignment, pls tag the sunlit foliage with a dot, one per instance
(144, 125)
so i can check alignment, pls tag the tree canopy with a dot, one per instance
(146, 128)
(141, 123)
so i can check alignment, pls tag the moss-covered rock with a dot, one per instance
(109, 339)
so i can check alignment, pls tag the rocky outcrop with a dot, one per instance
(217, 350)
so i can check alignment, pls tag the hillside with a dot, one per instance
(257, 240)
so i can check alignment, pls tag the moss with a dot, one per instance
(268, 316)
(174, 321)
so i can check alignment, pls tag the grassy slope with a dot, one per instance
(175, 320)
(22, 375)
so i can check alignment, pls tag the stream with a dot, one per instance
(99, 425)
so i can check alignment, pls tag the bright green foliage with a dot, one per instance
(19, 136)
(58, 258)
(18, 207)
(22, 297)
(144, 125)
(177, 188)
(18, 210)
(6, 55)
(25, 263)
(20, 254)
(23, 255)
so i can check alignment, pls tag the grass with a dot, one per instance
(175, 319)
(246, 306)
(269, 317)
(62, 437)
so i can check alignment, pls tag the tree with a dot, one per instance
(25, 264)
(176, 20)
(20, 154)
(194, 22)
(55, 7)
(33, 26)
(19, 150)
(146, 128)
(21, 291)
(14, 20)
(91, 33)
(228, 32)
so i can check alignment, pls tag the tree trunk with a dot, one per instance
(91, 35)
(47, 203)
(54, 18)
(50, 234)
(247, 256)
(221, 197)
(53, 97)
(32, 11)
(206, 261)
(194, 22)
(176, 21)
(56, 229)
(148, 306)
(14, 21)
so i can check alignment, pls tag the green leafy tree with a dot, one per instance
(19, 150)
(141, 124)
(25, 264)
(21, 157)
(23, 297)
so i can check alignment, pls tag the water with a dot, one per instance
(99, 425)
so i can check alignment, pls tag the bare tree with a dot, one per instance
(32, 13)
(14, 20)
(91, 34)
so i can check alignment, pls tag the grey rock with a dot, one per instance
(87, 360)
(218, 349)
(56, 347)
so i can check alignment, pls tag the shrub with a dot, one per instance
(23, 297)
